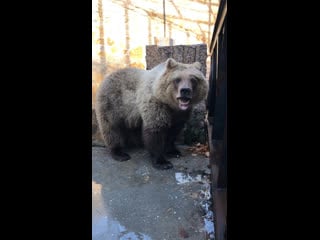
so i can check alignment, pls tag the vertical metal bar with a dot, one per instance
(212, 91)
(218, 129)
(164, 17)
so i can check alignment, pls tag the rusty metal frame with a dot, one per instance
(217, 121)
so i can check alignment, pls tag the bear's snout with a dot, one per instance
(184, 97)
(185, 92)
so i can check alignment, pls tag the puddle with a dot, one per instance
(104, 228)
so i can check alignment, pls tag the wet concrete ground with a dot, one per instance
(131, 200)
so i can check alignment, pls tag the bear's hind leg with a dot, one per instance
(115, 137)
(111, 127)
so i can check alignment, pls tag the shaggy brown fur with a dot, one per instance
(154, 102)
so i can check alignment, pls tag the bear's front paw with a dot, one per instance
(120, 156)
(162, 164)
(173, 153)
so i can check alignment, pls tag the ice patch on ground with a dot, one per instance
(204, 197)
(183, 178)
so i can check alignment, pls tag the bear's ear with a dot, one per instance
(197, 65)
(171, 63)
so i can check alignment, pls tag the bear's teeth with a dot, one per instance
(185, 101)
(183, 104)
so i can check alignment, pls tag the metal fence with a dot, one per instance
(217, 120)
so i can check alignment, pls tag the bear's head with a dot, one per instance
(181, 85)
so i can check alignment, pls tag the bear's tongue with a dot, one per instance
(183, 103)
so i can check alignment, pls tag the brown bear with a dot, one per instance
(155, 103)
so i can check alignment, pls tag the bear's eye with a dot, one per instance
(177, 80)
(194, 82)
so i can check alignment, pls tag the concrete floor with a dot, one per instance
(131, 200)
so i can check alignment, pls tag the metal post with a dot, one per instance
(164, 18)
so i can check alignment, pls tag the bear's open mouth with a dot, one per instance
(183, 102)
